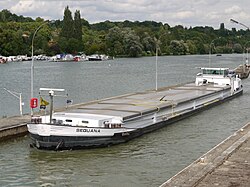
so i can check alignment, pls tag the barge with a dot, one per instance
(120, 119)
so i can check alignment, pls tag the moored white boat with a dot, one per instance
(119, 119)
(3, 60)
(96, 57)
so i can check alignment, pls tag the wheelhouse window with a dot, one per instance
(223, 72)
(68, 120)
(85, 122)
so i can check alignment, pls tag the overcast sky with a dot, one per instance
(174, 12)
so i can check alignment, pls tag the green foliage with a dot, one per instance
(67, 28)
(70, 38)
(124, 42)
(237, 48)
(177, 47)
(191, 47)
(7, 16)
(78, 26)
(126, 38)
(114, 41)
(131, 43)
(148, 44)
(102, 26)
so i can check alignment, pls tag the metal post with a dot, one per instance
(20, 104)
(32, 63)
(51, 94)
(247, 57)
(18, 96)
(234, 21)
(156, 69)
(209, 54)
(246, 49)
(32, 73)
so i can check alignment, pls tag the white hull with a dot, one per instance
(55, 130)
(59, 137)
(119, 119)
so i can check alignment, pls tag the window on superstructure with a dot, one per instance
(85, 122)
(68, 120)
(214, 72)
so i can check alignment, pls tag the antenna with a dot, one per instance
(51, 92)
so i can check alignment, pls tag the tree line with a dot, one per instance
(119, 39)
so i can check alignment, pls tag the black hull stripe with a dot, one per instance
(79, 142)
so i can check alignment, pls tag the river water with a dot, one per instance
(146, 161)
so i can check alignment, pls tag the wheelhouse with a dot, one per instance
(215, 71)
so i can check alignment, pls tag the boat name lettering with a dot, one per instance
(87, 130)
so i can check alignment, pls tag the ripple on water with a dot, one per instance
(144, 162)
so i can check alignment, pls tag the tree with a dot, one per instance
(52, 48)
(78, 26)
(237, 48)
(63, 44)
(191, 47)
(148, 44)
(39, 19)
(12, 43)
(78, 30)
(114, 41)
(125, 38)
(67, 28)
(71, 32)
(131, 42)
(177, 47)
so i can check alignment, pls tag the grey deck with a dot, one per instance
(132, 105)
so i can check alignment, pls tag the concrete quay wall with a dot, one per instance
(227, 164)
(13, 131)
(13, 126)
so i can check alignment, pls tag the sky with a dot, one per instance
(189, 13)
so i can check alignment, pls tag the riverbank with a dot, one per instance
(227, 164)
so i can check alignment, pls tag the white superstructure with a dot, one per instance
(119, 119)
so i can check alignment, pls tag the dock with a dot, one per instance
(13, 126)
(227, 164)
